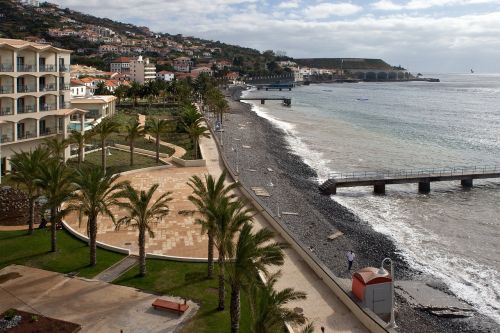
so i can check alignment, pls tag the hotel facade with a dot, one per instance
(34, 97)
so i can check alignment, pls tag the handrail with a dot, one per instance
(412, 173)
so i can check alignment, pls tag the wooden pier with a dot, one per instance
(286, 101)
(424, 177)
(275, 86)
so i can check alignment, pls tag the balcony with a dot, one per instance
(26, 109)
(47, 68)
(48, 87)
(65, 87)
(26, 89)
(48, 131)
(26, 68)
(48, 107)
(63, 68)
(5, 139)
(27, 135)
(6, 68)
(6, 90)
(6, 111)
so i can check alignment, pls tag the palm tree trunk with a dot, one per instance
(103, 155)
(81, 147)
(93, 240)
(210, 256)
(157, 148)
(142, 252)
(195, 149)
(53, 230)
(131, 153)
(234, 309)
(222, 290)
(31, 217)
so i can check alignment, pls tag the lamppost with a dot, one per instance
(383, 271)
(275, 184)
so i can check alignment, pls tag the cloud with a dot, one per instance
(325, 9)
(426, 4)
(289, 4)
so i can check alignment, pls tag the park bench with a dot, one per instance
(160, 304)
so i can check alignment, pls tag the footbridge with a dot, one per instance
(422, 177)
(286, 101)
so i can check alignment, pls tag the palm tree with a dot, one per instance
(79, 138)
(206, 195)
(102, 89)
(56, 146)
(195, 131)
(221, 106)
(142, 211)
(229, 216)
(121, 92)
(134, 91)
(268, 306)
(55, 181)
(104, 129)
(254, 252)
(95, 194)
(156, 127)
(25, 168)
(134, 130)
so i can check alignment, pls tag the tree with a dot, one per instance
(103, 130)
(205, 196)
(156, 127)
(254, 252)
(268, 306)
(54, 180)
(102, 89)
(134, 91)
(56, 146)
(228, 216)
(142, 211)
(79, 139)
(25, 168)
(221, 106)
(133, 130)
(195, 131)
(95, 193)
(121, 92)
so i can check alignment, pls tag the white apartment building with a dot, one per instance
(165, 76)
(141, 70)
(78, 89)
(183, 64)
(34, 96)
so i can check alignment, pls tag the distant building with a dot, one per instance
(202, 70)
(120, 65)
(141, 70)
(107, 48)
(96, 106)
(78, 89)
(165, 76)
(182, 64)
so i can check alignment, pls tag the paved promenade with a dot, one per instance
(321, 306)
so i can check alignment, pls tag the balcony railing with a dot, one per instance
(27, 135)
(6, 68)
(25, 89)
(65, 87)
(48, 87)
(48, 131)
(47, 68)
(63, 68)
(6, 111)
(26, 68)
(26, 109)
(5, 138)
(6, 90)
(48, 107)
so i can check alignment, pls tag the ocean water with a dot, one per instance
(450, 233)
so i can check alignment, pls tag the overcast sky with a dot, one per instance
(423, 35)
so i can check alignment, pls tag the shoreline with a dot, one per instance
(259, 146)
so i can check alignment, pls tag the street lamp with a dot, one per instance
(275, 184)
(383, 271)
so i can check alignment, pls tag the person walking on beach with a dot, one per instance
(350, 259)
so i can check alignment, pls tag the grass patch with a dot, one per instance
(119, 161)
(17, 247)
(189, 280)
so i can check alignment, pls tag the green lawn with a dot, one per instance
(17, 247)
(118, 161)
(188, 280)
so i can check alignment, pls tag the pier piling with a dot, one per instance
(466, 183)
(424, 187)
(379, 188)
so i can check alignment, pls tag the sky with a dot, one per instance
(428, 36)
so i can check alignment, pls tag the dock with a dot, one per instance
(286, 101)
(275, 86)
(422, 177)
